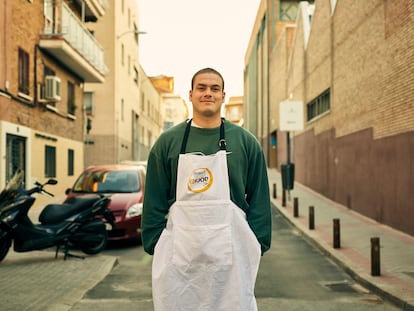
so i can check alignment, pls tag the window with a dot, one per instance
(71, 103)
(136, 34)
(15, 154)
(319, 105)
(122, 109)
(142, 102)
(47, 71)
(234, 113)
(24, 72)
(88, 103)
(50, 161)
(149, 141)
(122, 55)
(48, 10)
(136, 75)
(48, 14)
(71, 162)
(288, 10)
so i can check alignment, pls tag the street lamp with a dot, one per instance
(135, 31)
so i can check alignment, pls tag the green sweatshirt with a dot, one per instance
(249, 188)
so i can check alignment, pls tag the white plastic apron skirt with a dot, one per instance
(207, 257)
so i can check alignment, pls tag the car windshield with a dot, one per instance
(108, 182)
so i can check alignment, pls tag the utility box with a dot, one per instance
(288, 175)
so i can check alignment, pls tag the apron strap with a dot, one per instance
(222, 141)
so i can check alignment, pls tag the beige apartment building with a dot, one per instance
(124, 120)
(152, 114)
(351, 65)
(47, 56)
(233, 110)
(175, 107)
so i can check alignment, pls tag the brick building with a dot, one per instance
(350, 62)
(47, 54)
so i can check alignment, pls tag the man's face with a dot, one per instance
(207, 95)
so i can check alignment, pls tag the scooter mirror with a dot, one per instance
(52, 182)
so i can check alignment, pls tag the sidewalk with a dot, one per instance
(396, 280)
(36, 281)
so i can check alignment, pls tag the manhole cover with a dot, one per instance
(410, 274)
(343, 287)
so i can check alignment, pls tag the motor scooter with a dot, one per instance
(78, 223)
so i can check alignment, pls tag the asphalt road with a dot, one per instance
(294, 275)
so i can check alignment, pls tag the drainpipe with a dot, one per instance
(35, 75)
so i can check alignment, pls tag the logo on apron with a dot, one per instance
(200, 180)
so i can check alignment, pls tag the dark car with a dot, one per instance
(125, 184)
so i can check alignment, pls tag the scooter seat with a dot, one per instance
(54, 213)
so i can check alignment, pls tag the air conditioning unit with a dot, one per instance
(52, 88)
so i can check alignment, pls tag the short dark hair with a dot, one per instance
(207, 70)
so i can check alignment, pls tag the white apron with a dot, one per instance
(207, 257)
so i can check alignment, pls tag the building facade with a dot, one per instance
(46, 58)
(175, 108)
(115, 107)
(152, 114)
(350, 63)
(233, 110)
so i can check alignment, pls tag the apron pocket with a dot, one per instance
(202, 245)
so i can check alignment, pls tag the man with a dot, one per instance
(206, 216)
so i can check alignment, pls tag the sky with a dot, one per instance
(183, 36)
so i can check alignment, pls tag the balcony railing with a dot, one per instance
(81, 39)
(70, 28)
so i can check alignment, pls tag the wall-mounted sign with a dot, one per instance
(291, 115)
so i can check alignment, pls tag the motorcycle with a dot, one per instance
(79, 223)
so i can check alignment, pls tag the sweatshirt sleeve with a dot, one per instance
(155, 208)
(259, 215)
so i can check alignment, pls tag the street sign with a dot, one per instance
(291, 115)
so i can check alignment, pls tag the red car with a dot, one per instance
(125, 184)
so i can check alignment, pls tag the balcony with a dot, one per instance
(69, 41)
(92, 9)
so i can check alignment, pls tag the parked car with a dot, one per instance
(126, 185)
(139, 163)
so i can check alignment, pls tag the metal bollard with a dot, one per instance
(295, 207)
(284, 197)
(336, 233)
(375, 257)
(274, 191)
(311, 217)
